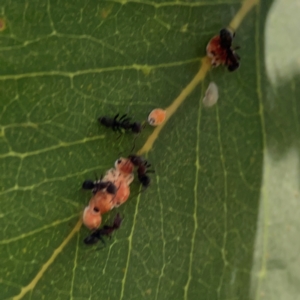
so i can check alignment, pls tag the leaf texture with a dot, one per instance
(192, 234)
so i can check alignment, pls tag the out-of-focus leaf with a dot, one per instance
(275, 271)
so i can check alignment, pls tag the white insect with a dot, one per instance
(211, 95)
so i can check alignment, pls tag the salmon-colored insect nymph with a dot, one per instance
(122, 194)
(124, 165)
(103, 201)
(157, 117)
(91, 217)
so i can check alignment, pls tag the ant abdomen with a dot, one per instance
(88, 185)
(105, 230)
(144, 180)
(91, 240)
(105, 121)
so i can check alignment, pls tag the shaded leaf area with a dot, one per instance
(276, 255)
(192, 232)
(283, 132)
(274, 271)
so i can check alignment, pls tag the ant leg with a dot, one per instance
(150, 171)
(95, 188)
(109, 234)
(227, 60)
(143, 125)
(119, 129)
(97, 178)
(146, 164)
(114, 127)
(126, 121)
(123, 117)
(103, 242)
(133, 144)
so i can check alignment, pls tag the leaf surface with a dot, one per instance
(193, 232)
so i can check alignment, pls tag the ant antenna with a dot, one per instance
(96, 176)
(143, 125)
(122, 132)
(133, 144)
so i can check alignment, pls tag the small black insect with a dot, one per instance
(123, 123)
(105, 230)
(226, 37)
(232, 58)
(142, 169)
(99, 185)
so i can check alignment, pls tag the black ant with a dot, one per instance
(99, 185)
(105, 230)
(142, 169)
(226, 37)
(232, 58)
(123, 123)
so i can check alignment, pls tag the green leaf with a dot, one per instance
(275, 261)
(207, 226)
